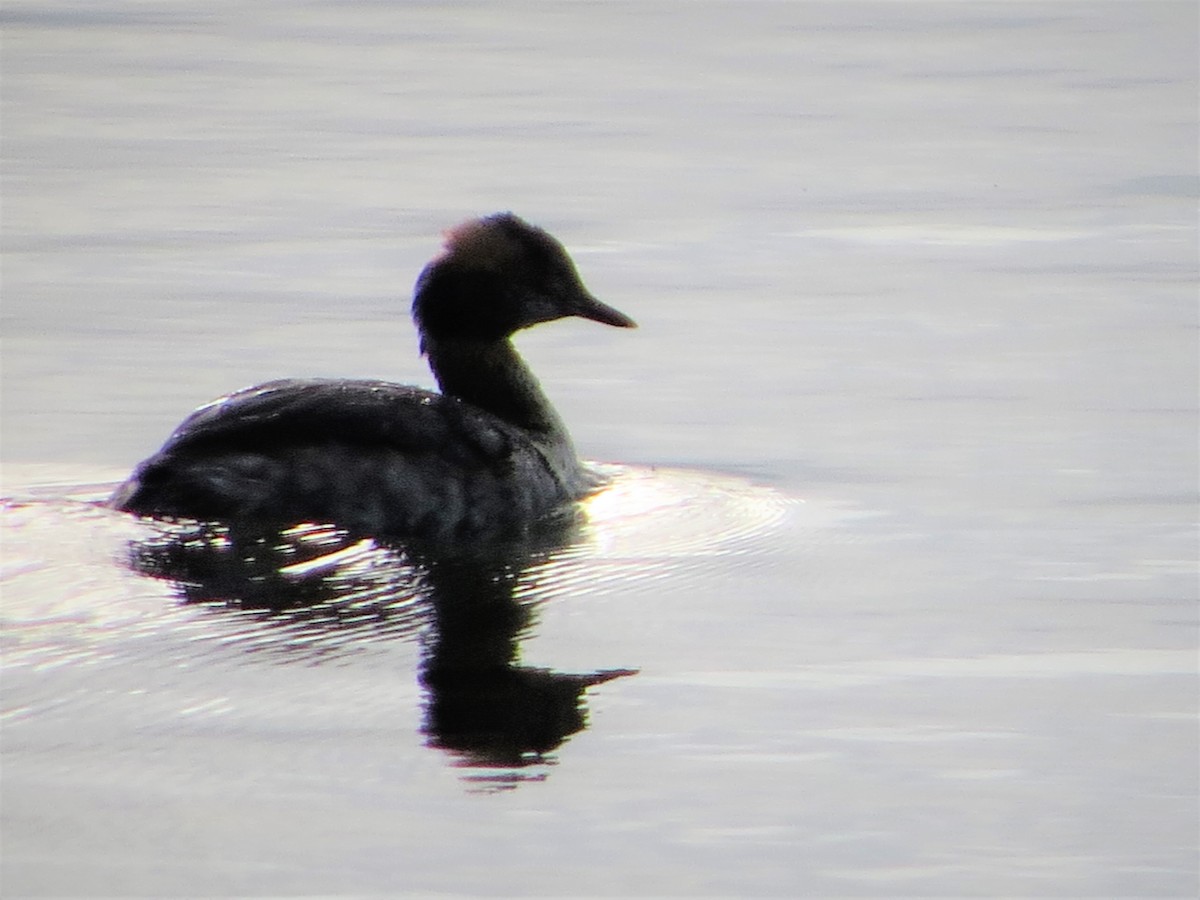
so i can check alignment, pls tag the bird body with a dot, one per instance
(487, 456)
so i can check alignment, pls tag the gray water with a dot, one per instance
(894, 592)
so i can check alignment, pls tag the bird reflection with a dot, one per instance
(324, 589)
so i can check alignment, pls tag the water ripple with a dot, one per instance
(71, 598)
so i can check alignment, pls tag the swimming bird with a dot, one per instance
(486, 457)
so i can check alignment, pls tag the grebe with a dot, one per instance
(488, 456)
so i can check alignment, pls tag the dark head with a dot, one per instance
(500, 274)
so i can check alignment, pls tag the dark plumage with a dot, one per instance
(488, 456)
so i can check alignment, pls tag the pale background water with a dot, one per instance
(905, 555)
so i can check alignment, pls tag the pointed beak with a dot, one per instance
(588, 307)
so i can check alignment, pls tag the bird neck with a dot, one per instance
(491, 375)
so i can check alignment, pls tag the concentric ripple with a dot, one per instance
(72, 595)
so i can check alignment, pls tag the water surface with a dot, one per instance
(895, 593)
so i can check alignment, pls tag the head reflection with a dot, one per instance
(320, 591)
